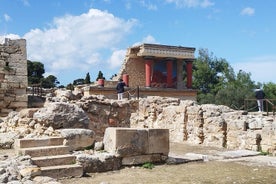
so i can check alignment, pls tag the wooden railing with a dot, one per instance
(269, 105)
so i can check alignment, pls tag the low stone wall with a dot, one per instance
(207, 124)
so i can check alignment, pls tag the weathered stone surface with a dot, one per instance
(78, 139)
(13, 75)
(141, 159)
(7, 140)
(62, 115)
(31, 171)
(207, 124)
(158, 141)
(45, 180)
(126, 141)
(100, 162)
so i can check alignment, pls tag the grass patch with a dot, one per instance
(264, 153)
(148, 165)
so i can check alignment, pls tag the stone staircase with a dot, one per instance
(53, 158)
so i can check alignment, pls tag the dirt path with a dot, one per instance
(246, 170)
(195, 172)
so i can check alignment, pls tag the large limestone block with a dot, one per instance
(77, 138)
(99, 162)
(126, 141)
(159, 141)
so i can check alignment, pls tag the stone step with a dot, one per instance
(54, 160)
(44, 151)
(38, 142)
(62, 171)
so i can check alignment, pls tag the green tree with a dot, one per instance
(100, 75)
(35, 72)
(270, 90)
(49, 82)
(70, 87)
(270, 94)
(210, 75)
(87, 79)
(217, 82)
(236, 91)
(78, 82)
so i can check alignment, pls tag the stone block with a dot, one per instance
(38, 142)
(132, 142)
(141, 159)
(159, 141)
(126, 141)
(19, 104)
(99, 162)
(78, 138)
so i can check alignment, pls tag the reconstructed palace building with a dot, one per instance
(158, 70)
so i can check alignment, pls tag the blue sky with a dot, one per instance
(73, 37)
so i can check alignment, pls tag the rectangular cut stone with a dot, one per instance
(159, 141)
(126, 141)
(132, 142)
(19, 104)
(141, 159)
(62, 171)
(44, 151)
(38, 142)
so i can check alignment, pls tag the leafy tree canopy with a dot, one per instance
(35, 75)
(49, 82)
(78, 81)
(35, 72)
(217, 82)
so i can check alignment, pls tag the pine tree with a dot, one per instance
(87, 79)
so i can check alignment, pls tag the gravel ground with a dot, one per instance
(243, 170)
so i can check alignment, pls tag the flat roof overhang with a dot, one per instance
(165, 51)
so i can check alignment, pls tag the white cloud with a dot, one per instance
(147, 39)
(248, 11)
(10, 36)
(262, 69)
(192, 3)
(25, 2)
(7, 17)
(77, 42)
(117, 58)
(148, 5)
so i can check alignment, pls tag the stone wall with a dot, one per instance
(104, 113)
(13, 76)
(207, 124)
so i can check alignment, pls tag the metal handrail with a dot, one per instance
(267, 102)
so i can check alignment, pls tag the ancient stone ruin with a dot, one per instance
(13, 76)
(75, 132)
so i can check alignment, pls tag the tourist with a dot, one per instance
(259, 94)
(120, 89)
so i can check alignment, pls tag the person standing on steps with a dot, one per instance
(260, 95)
(120, 89)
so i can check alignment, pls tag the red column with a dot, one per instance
(169, 73)
(189, 70)
(126, 79)
(148, 66)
